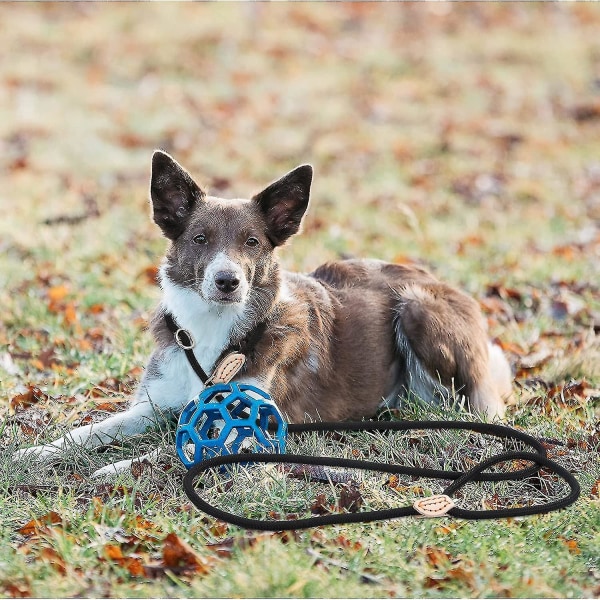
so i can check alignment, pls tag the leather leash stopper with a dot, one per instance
(434, 506)
(227, 369)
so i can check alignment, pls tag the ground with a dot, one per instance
(460, 136)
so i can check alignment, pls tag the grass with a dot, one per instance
(455, 135)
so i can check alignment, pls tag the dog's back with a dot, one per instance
(366, 331)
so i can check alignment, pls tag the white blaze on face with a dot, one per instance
(222, 263)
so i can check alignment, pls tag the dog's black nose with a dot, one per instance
(226, 281)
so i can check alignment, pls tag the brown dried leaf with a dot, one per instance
(320, 506)
(510, 347)
(446, 529)
(179, 555)
(350, 497)
(28, 398)
(46, 359)
(343, 542)
(133, 564)
(437, 556)
(35, 526)
(572, 545)
(575, 389)
(51, 556)
(463, 575)
(129, 139)
(70, 314)
(219, 528)
(138, 467)
(57, 293)
(145, 524)
(223, 548)
(19, 589)
(393, 481)
(111, 404)
(150, 274)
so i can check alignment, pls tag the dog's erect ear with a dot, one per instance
(173, 193)
(284, 203)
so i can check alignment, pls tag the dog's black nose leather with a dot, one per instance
(226, 281)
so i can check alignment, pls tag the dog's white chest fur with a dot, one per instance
(210, 325)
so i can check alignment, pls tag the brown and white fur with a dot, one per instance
(338, 343)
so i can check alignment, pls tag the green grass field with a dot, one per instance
(462, 136)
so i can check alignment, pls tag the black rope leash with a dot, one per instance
(478, 473)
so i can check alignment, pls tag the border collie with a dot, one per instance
(332, 345)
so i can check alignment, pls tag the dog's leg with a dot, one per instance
(441, 335)
(165, 387)
(130, 422)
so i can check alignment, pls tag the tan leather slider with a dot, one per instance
(434, 506)
(227, 369)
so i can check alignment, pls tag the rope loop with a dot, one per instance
(479, 472)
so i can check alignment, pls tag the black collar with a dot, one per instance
(183, 338)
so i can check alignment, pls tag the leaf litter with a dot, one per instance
(467, 170)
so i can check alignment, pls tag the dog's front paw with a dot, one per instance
(41, 453)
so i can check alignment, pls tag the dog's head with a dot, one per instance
(224, 249)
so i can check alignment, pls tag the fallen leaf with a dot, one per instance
(145, 524)
(446, 529)
(575, 389)
(51, 556)
(57, 293)
(35, 526)
(129, 139)
(46, 359)
(111, 405)
(150, 274)
(320, 506)
(70, 314)
(95, 334)
(219, 528)
(133, 564)
(343, 542)
(17, 590)
(138, 467)
(572, 545)
(510, 347)
(462, 574)
(113, 551)
(437, 556)
(32, 396)
(350, 497)
(96, 309)
(177, 554)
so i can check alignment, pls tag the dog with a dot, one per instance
(333, 345)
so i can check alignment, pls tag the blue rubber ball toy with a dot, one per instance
(228, 418)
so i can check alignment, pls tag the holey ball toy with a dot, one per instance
(228, 418)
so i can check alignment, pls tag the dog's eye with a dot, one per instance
(252, 241)
(199, 239)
